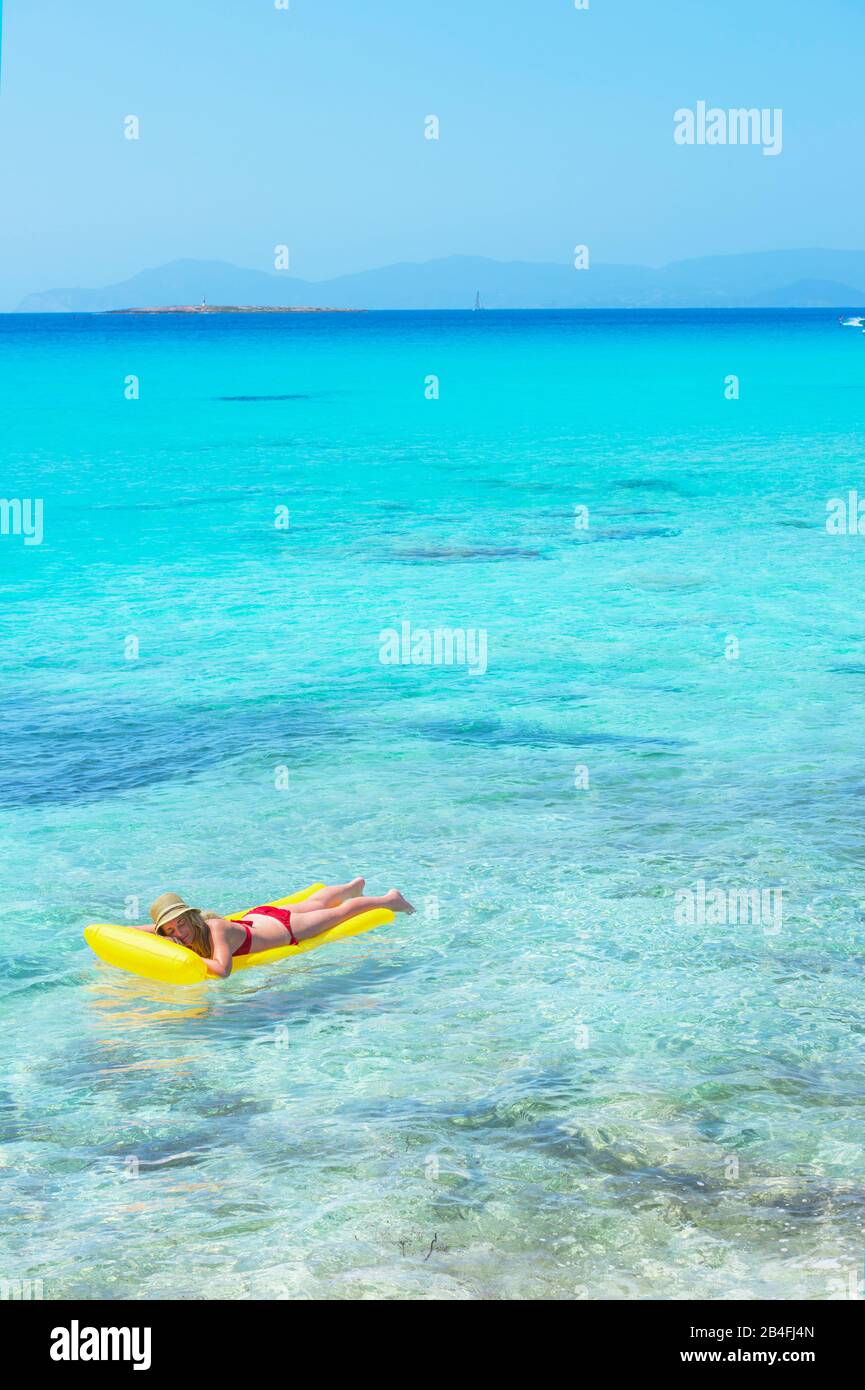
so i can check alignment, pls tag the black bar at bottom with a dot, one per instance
(242, 1337)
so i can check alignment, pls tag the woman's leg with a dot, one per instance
(315, 922)
(330, 897)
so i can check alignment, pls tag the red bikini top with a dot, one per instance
(245, 948)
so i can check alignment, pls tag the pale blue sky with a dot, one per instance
(306, 127)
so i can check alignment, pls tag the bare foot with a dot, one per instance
(397, 902)
(354, 889)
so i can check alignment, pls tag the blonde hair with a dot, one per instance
(202, 941)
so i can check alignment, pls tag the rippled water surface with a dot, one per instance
(543, 1085)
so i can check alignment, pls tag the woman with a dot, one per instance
(218, 941)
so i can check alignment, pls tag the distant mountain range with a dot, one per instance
(767, 279)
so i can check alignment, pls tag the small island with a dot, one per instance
(233, 309)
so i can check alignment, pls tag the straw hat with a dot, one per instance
(166, 908)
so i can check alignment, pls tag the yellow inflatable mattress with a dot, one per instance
(156, 958)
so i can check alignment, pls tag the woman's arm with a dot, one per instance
(220, 962)
(141, 926)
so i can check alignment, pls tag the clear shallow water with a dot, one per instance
(566, 1091)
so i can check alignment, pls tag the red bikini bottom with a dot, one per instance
(279, 914)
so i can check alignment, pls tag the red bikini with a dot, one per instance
(279, 914)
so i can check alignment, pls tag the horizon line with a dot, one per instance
(188, 311)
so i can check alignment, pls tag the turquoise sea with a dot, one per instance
(543, 1085)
